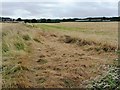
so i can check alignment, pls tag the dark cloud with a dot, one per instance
(58, 9)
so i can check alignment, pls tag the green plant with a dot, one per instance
(14, 69)
(109, 81)
(19, 46)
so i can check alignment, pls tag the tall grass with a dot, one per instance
(109, 81)
(15, 43)
(91, 32)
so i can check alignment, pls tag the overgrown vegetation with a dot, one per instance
(14, 69)
(15, 40)
(109, 81)
(11, 73)
(48, 62)
(97, 46)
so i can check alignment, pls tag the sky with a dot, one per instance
(58, 8)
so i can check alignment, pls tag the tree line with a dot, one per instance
(89, 19)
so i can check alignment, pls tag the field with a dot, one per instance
(57, 55)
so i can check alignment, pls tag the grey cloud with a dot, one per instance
(58, 9)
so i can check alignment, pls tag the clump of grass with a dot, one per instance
(41, 80)
(5, 48)
(107, 48)
(67, 39)
(19, 46)
(109, 81)
(42, 61)
(26, 37)
(69, 83)
(4, 34)
(35, 39)
(97, 46)
(10, 74)
(14, 69)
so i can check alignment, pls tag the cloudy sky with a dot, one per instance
(58, 8)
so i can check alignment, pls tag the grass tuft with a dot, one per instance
(69, 83)
(5, 48)
(26, 37)
(41, 80)
(4, 34)
(42, 61)
(19, 46)
(109, 81)
(35, 39)
(14, 69)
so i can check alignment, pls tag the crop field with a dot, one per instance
(57, 55)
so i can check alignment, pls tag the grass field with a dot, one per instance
(57, 55)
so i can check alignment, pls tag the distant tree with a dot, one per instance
(64, 20)
(57, 21)
(43, 20)
(33, 21)
(70, 20)
(27, 21)
(19, 19)
(13, 19)
(48, 20)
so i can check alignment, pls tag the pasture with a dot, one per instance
(57, 55)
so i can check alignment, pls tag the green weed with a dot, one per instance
(19, 46)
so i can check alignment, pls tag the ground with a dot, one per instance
(57, 55)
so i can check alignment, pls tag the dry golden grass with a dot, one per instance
(99, 32)
(16, 43)
(56, 55)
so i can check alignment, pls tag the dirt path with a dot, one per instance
(58, 64)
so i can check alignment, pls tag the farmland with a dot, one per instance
(57, 55)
